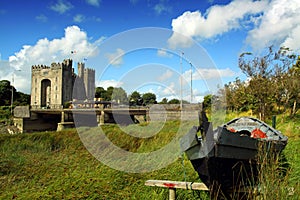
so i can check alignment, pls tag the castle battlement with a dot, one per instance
(89, 70)
(39, 67)
(66, 64)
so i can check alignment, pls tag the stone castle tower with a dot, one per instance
(52, 86)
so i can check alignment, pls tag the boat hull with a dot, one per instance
(227, 159)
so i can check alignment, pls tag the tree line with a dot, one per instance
(272, 85)
(119, 95)
(7, 91)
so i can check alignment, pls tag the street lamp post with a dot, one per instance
(181, 80)
(191, 82)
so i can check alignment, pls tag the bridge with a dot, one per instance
(28, 119)
(40, 119)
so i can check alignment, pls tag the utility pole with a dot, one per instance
(181, 80)
(191, 82)
(12, 94)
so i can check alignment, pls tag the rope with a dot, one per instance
(188, 187)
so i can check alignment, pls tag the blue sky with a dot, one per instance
(115, 38)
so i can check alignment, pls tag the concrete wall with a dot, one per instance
(161, 112)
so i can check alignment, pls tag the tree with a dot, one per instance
(149, 98)
(207, 101)
(135, 99)
(100, 92)
(22, 99)
(108, 94)
(119, 95)
(19, 98)
(263, 72)
(164, 101)
(5, 93)
(174, 101)
(293, 87)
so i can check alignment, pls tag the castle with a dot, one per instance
(52, 87)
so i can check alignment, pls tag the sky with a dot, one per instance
(173, 48)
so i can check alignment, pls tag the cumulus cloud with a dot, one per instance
(170, 90)
(107, 83)
(217, 20)
(279, 25)
(293, 39)
(168, 74)
(61, 6)
(47, 51)
(116, 58)
(8, 72)
(208, 73)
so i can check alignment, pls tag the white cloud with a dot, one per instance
(163, 53)
(107, 83)
(41, 18)
(93, 2)
(168, 74)
(116, 58)
(169, 91)
(207, 73)
(217, 20)
(61, 6)
(279, 25)
(48, 51)
(293, 39)
(79, 18)
(7, 72)
(162, 7)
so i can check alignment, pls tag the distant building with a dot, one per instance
(52, 87)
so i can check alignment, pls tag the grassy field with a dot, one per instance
(56, 165)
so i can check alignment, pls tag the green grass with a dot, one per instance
(56, 165)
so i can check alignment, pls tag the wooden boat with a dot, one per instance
(226, 158)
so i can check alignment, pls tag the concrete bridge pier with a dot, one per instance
(101, 118)
(65, 121)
